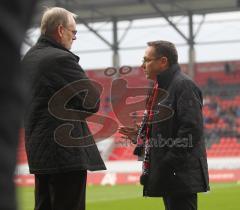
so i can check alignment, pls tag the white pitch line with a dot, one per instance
(111, 199)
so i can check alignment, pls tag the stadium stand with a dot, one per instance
(21, 152)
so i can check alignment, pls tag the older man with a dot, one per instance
(59, 160)
(170, 138)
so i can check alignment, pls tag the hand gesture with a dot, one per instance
(129, 133)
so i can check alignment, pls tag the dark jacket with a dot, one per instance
(178, 162)
(49, 67)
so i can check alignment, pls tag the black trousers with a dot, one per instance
(65, 191)
(181, 202)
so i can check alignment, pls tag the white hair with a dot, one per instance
(53, 17)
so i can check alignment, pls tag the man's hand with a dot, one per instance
(129, 133)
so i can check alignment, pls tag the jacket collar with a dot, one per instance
(43, 39)
(165, 77)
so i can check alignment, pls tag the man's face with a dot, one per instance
(152, 64)
(69, 33)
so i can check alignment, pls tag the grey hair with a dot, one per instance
(53, 17)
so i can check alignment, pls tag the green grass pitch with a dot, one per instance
(224, 196)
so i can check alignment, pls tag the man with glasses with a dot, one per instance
(170, 137)
(62, 97)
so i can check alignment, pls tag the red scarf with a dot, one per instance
(150, 114)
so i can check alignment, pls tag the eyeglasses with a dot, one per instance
(74, 32)
(147, 60)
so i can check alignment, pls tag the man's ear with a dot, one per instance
(60, 30)
(164, 61)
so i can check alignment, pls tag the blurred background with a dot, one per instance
(113, 33)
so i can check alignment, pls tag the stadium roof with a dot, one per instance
(102, 10)
(89, 11)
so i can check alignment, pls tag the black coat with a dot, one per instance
(49, 67)
(178, 162)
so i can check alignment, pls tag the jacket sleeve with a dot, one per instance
(189, 121)
(68, 73)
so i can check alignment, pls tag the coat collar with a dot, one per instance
(165, 77)
(43, 39)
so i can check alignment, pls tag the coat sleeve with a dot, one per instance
(189, 122)
(68, 73)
